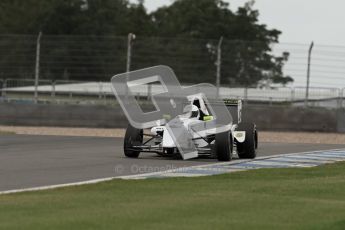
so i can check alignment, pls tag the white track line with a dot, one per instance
(48, 187)
(142, 176)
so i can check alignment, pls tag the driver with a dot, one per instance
(196, 103)
(195, 113)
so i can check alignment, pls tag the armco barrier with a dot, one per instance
(275, 118)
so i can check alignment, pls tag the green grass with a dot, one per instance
(312, 198)
(6, 133)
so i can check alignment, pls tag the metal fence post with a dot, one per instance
(219, 64)
(308, 75)
(341, 98)
(4, 88)
(2, 85)
(53, 89)
(270, 101)
(37, 68)
(245, 96)
(105, 97)
(130, 39)
(100, 88)
(292, 94)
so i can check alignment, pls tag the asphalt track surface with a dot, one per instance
(30, 161)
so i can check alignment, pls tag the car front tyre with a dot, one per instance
(133, 137)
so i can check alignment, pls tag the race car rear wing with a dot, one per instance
(235, 108)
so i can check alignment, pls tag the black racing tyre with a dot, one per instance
(247, 149)
(133, 137)
(223, 146)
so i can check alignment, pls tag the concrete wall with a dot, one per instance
(341, 121)
(266, 118)
(294, 118)
(61, 115)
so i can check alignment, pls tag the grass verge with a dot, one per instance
(312, 198)
(6, 132)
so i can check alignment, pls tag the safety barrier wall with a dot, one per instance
(275, 118)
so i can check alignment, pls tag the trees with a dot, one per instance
(194, 19)
(247, 48)
(183, 35)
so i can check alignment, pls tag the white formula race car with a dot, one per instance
(241, 139)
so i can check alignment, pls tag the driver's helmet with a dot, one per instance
(191, 111)
(195, 113)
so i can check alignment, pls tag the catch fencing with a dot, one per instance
(77, 69)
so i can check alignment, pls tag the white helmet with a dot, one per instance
(191, 111)
(195, 113)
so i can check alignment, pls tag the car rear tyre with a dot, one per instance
(247, 149)
(133, 137)
(223, 146)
